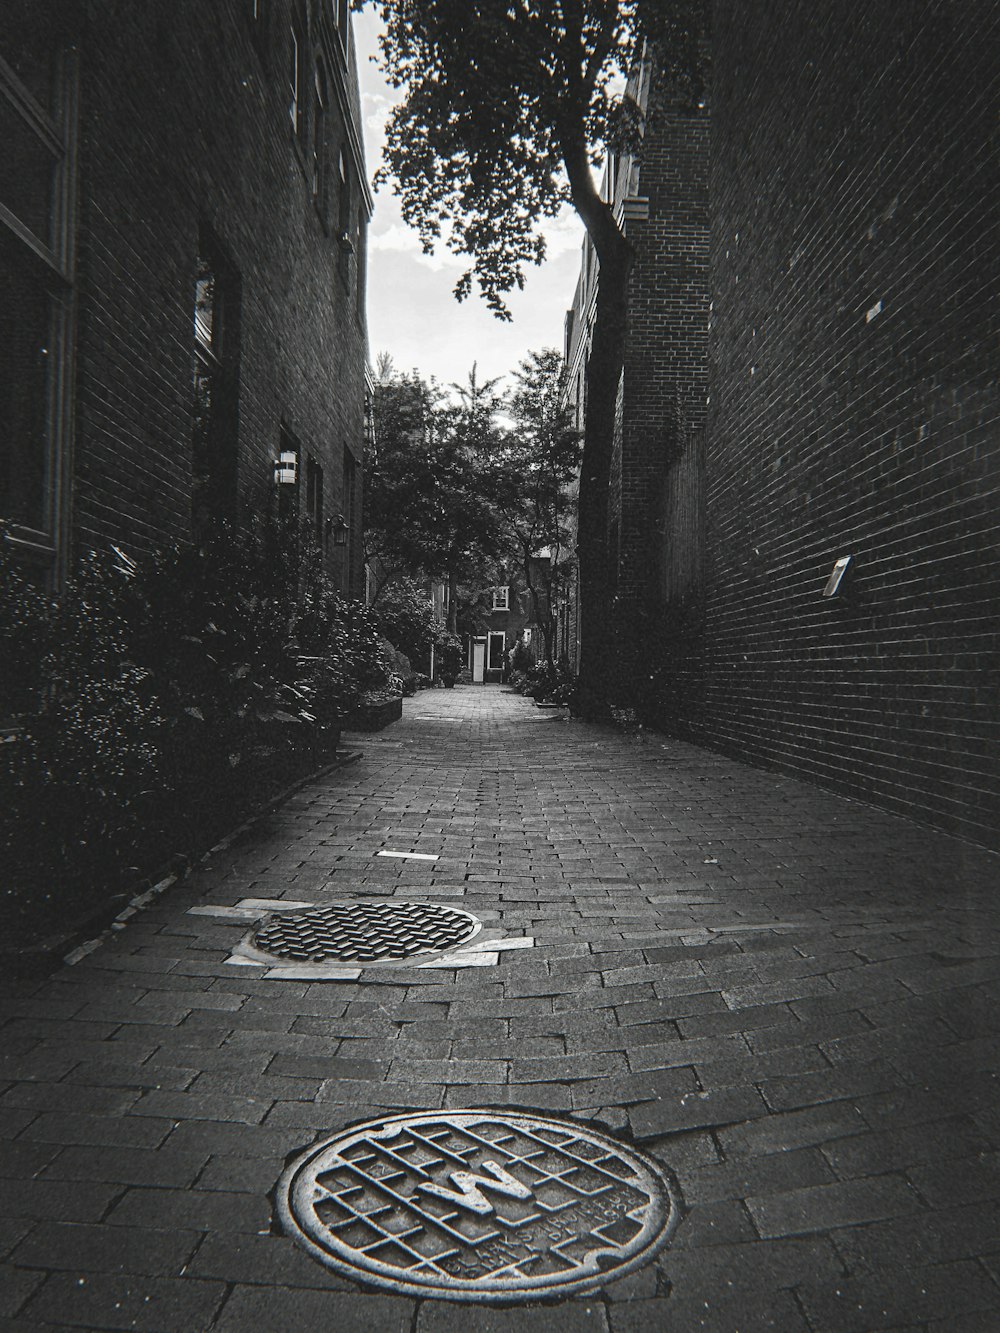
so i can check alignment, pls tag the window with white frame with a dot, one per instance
(501, 598)
(319, 131)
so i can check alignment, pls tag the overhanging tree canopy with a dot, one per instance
(508, 106)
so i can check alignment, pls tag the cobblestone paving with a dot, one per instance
(787, 998)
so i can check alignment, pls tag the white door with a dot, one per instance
(478, 661)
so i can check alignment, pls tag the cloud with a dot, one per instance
(563, 234)
(398, 238)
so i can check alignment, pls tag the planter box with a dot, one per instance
(375, 716)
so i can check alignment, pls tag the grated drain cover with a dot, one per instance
(477, 1205)
(363, 932)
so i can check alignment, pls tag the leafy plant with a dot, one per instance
(148, 692)
(451, 657)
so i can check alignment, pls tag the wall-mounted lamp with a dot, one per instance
(346, 242)
(339, 528)
(838, 572)
(286, 467)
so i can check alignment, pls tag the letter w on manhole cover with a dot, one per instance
(477, 1205)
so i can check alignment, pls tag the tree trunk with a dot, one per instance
(536, 602)
(452, 602)
(604, 372)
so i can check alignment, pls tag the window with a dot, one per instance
(362, 252)
(295, 78)
(213, 461)
(339, 9)
(319, 130)
(501, 598)
(37, 112)
(344, 211)
(314, 503)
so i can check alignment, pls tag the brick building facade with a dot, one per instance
(854, 278)
(661, 201)
(183, 214)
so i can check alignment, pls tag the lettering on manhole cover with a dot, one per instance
(361, 932)
(477, 1205)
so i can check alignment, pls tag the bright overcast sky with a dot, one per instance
(412, 313)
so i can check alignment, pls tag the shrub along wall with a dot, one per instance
(854, 407)
(156, 703)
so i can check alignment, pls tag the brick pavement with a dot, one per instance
(787, 998)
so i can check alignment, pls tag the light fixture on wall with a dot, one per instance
(838, 572)
(338, 528)
(286, 468)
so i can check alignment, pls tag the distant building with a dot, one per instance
(183, 216)
(509, 617)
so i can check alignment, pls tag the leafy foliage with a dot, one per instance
(451, 657)
(405, 616)
(541, 457)
(156, 689)
(432, 478)
(508, 105)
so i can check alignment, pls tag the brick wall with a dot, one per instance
(185, 130)
(854, 405)
(664, 384)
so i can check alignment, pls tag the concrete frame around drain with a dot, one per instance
(246, 950)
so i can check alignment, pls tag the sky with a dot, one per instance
(412, 313)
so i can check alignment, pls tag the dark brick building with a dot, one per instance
(183, 209)
(661, 202)
(854, 279)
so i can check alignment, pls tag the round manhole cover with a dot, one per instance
(477, 1205)
(363, 932)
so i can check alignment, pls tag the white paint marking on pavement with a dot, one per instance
(410, 856)
(248, 909)
(236, 961)
(228, 913)
(463, 960)
(272, 904)
(516, 942)
(303, 972)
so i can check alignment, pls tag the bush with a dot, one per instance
(450, 657)
(550, 683)
(154, 701)
(520, 657)
(405, 617)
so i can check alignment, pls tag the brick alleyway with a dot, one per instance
(788, 999)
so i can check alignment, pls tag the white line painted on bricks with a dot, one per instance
(410, 856)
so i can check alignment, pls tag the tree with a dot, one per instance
(405, 616)
(430, 498)
(507, 107)
(400, 491)
(541, 457)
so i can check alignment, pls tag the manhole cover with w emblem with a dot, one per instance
(361, 932)
(477, 1205)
